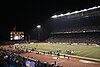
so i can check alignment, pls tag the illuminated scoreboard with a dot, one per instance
(16, 35)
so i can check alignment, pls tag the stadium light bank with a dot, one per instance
(69, 13)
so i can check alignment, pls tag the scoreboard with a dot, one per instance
(16, 35)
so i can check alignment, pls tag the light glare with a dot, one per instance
(55, 16)
(60, 15)
(38, 26)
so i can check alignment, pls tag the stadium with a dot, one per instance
(73, 41)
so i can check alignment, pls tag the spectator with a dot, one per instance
(32, 63)
(27, 63)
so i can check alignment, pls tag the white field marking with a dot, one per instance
(61, 56)
(60, 61)
(85, 61)
(46, 54)
(54, 58)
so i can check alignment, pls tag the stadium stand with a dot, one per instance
(11, 58)
(78, 28)
(89, 38)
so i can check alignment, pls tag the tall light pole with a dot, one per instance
(38, 27)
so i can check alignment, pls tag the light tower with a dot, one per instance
(38, 27)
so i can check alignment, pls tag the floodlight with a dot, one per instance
(92, 8)
(74, 12)
(60, 15)
(67, 13)
(38, 26)
(98, 6)
(83, 10)
(55, 16)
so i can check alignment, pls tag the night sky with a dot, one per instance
(28, 15)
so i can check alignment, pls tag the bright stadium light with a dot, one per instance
(67, 13)
(98, 6)
(38, 26)
(60, 15)
(89, 8)
(55, 16)
(75, 12)
(83, 10)
(92, 8)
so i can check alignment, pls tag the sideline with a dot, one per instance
(86, 58)
(80, 57)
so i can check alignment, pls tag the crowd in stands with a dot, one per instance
(14, 42)
(10, 42)
(79, 29)
(89, 38)
(83, 24)
(11, 58)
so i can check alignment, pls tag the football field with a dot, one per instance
(82, 51)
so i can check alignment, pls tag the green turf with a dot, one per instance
(84, 51)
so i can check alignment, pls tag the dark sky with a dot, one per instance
(26, 16)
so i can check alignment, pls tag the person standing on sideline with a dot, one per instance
(68, 57)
